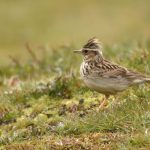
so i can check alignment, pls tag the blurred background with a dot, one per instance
(47, 22)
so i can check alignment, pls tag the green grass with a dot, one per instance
(50, 108)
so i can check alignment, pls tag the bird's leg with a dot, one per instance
(104, 102)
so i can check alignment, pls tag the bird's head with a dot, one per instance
(91, 50)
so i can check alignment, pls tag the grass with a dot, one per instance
(44, 105)
(43, 102)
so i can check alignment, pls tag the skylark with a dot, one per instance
(104, 76)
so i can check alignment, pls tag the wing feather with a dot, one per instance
(111, 70)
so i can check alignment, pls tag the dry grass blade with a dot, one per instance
(33, 55)
(14, 60)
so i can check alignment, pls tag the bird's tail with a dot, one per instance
(147, 80)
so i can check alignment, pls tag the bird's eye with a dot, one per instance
(85, 51)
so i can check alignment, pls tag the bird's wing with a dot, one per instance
(111, 70)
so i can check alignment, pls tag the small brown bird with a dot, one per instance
(104, 76)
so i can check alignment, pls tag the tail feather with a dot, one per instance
(147, 80)
(142, 80)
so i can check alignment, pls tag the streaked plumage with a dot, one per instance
(104, 76)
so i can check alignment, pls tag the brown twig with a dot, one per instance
(14, 60)
(33, 55)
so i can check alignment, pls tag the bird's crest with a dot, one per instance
(93, 43)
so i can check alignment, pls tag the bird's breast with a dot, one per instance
(84, 69)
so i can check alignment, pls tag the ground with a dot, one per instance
(45, 105)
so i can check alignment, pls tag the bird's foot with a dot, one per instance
(103, 105)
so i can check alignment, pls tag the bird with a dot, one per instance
(104, 76)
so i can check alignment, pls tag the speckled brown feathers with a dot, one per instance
(104, 76)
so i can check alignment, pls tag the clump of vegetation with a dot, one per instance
(52, 109)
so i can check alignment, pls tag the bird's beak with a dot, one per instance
(78, 51)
